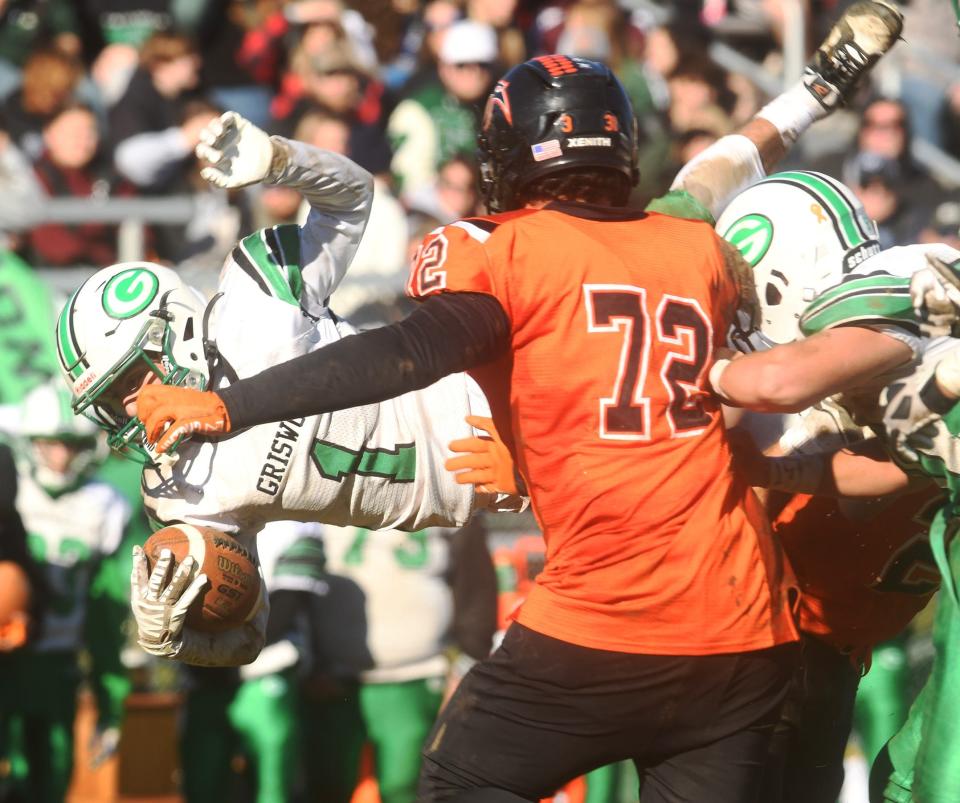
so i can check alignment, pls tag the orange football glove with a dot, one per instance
(485, 462)
(171, 413)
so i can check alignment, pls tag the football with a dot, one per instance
(230, 596)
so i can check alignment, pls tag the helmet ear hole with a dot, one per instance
(773, 296)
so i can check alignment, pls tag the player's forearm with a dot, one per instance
(446, 334)
(862, 470)
(330, 182)
(792, 377)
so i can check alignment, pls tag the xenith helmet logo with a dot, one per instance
(129, 293)
(751, 235)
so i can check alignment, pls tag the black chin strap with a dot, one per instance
(215, 360)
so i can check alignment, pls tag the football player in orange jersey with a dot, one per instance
(660, 629)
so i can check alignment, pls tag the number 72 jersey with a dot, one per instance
(614, 316)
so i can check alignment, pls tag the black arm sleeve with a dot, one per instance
(445, 334)
(473, 580)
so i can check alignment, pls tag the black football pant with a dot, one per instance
(806, 752)
(540, 712)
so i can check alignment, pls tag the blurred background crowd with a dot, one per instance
(101, 105)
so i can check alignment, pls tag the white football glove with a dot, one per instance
(915, 405)
(935, 295)
(161, 607)
(239, 153)
(235, 647)
(825, 427)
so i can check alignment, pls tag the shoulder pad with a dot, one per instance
(271, 257)
(877, 298)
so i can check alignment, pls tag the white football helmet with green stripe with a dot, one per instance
(801, 232)
(123, 321)
(47, 415)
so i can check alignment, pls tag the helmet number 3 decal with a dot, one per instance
(129, 293)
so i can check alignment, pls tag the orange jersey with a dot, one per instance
(861, 579)
(653, 545)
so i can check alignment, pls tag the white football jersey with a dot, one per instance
(377, 466)
(877, 294)
(68, 534)
(407, 599)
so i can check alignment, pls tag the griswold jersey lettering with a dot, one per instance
(653, 545)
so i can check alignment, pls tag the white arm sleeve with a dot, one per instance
(714, 176)
(340, 193)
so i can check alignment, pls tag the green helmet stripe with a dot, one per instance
(67, 349)
(840, 210)
(255, 247)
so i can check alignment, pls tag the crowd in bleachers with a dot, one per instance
(106, 98)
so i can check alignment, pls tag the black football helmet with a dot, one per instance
(549, 114)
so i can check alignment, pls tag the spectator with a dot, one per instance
(501, 15)
(378, 268)
(452, 196)
(328, 74)
(49, 81)
(26, 26)
(877, 182)
(21, 193)
(697, 88)
(72, 165)
(154, 140)
(114, 31)
(925, 68)
(885, 131)
(441, 119)
(434, 22)
(944, 226)
(691, 142)
(242, 56)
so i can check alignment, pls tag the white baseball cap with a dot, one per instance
(469, 42)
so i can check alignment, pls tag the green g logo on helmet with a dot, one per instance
(129, 293)
(751, 235)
